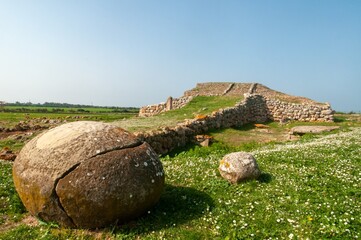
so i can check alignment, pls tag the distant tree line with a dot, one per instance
(60, 107)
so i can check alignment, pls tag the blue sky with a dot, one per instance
(134, 53)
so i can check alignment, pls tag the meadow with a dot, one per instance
(11, 115)
(309, 189)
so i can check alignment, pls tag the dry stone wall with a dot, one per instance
(181, 102)
(260, 104)
(172, 103)
(283, 111)
(251, 109)
(254, 108)
(151, 110)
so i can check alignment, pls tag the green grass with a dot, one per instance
(68, 109)
(309, 189)
(11, 119)
(14, 145)
(11, 207)
(200, 105)
(11, 115)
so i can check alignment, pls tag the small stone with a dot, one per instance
(326, 112)
(205, 143)
(239, 166)
(7, 154)
(301, 130)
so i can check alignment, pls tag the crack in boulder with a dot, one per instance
(57, 199)
(133, 145)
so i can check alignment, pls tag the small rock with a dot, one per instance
(238, 166)
(260, 125)
(205, 143)
(204, 140)
(326, 112)
(7, 154)
(201, 117)
(301, 130)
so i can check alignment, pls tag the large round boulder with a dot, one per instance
(239, 166)
(88, 175)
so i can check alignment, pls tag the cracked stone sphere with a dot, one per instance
(87, 175)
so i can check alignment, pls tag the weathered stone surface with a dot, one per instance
(87, 174)
(239, 166)
(300, 130)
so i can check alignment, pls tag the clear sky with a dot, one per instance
(134, 53)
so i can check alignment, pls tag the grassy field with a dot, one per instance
(106, 116)
(309, 188)
(9, 119)
(55, 109)
(201, 105)
(32, 116)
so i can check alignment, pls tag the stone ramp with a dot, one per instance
(219, 89)
(239, 89)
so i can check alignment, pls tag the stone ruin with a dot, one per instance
(280, 106)
(260, 104)
(170, 104)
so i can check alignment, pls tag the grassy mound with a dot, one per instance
(200, 105)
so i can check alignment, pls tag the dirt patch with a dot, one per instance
(28, 220)
(236, 137)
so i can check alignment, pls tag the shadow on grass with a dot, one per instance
(265, 178)
(178, 150)
(177, 205)
(339, 119)
(245, 127)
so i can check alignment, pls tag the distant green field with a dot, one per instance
(15, 114)
(66, 109)
(106, 116)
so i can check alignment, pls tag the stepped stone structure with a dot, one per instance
(260, 104)
(277, 102)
